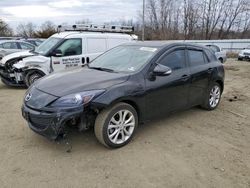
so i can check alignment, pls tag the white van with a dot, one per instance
(60, 51)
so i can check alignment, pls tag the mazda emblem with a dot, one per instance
(28, 97)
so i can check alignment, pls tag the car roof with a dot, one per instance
(3, 41)
(74, 34)
(163, 44)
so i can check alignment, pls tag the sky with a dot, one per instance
(68, 11)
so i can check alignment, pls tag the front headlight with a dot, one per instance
(76, 100)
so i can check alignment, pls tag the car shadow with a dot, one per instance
(80, 141)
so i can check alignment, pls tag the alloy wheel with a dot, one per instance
(214, 96)
(121, 126)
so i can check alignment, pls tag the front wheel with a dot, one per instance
(32, 77)
(213, 97)
(115, 126)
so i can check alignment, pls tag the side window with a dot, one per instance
(71, 47)
(96, 45)
(10, 45)
(196, 58)
(175, 60)
(25, 46)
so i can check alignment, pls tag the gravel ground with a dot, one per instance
(194, 148)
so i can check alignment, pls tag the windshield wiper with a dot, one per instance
(101, 69)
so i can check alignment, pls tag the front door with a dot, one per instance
(68, 54)
(169, 93)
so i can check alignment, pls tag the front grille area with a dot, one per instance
(40, 123)
(39, 99)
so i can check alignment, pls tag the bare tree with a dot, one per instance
(197, 19)
(47, 29)
(5, 30)
(26, 30)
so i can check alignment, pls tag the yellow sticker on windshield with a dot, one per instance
(148, 49)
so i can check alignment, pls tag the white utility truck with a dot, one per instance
(72, 46)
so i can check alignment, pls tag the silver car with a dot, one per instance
(221, 55)
(11, 46)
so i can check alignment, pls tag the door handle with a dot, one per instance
(83, 60)
(185, 77)
(87, 59)
(210, 70)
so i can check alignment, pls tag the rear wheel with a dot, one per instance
(32, 77)
(240, 59)
(213, 97)
(115, 126)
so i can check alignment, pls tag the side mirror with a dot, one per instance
(161, 70)
(57, 53)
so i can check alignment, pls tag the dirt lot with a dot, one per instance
(194, 148)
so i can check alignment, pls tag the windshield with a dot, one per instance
(46, 46)
(124, 58)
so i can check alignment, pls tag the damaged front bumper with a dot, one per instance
(51, 124)
(11, 78)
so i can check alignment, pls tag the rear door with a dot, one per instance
(200, 75)
(71, 54)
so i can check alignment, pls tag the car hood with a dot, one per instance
(35, 58)
(79, 80)
(16, 55)
(32, 60)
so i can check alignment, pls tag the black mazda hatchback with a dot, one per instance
(125, 86)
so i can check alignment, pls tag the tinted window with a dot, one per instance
(71, 47)
(25, 46)
(196, 58)
(175, 60)
(211, 56)
(10, 45)
(96, 45)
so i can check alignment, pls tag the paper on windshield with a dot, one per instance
(148, 49)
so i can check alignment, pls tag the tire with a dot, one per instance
(31, 77)
(213, 97)
(240, 59)
(221, 60)
(109, 129)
